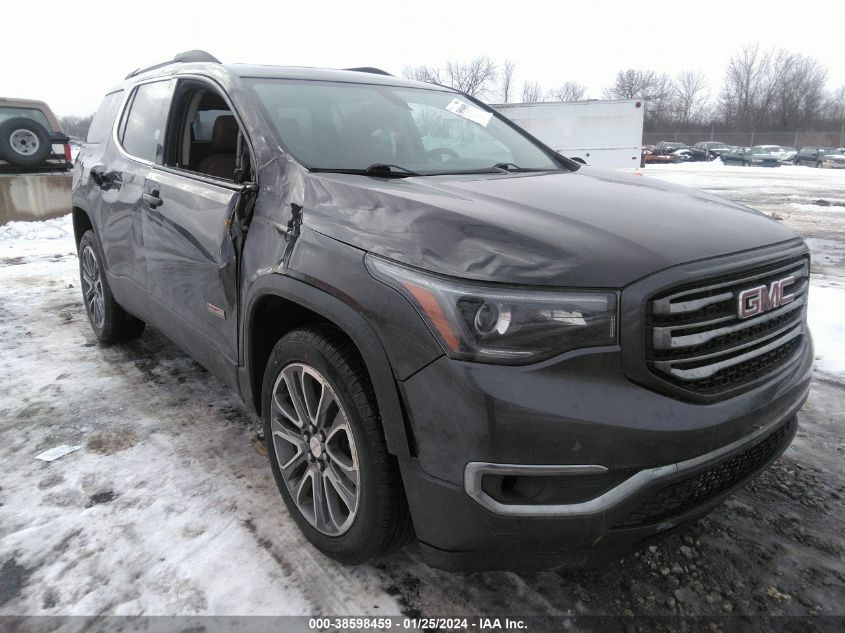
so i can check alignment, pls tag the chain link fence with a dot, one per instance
(829, 138)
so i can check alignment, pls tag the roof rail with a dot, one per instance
(370, 69)
(186, 57)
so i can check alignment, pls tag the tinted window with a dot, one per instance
(143, 128)
(26, 113)
(103, 120)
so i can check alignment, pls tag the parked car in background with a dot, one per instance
(708, 150)
(785, 154)
(683, 154)
(789, 154)
(748, 156)
(821, 157)
(667, 147)
(31, 139)
(35, 159)
(650, 155)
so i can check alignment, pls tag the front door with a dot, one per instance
(192, 264)
(191, 200)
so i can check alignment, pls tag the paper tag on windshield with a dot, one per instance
(469, 111)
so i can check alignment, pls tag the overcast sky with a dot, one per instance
(71, 54)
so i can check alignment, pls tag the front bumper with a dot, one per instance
(578, 410)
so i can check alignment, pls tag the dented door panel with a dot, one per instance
(191, 260)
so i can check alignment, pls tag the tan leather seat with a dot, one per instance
(224, 145)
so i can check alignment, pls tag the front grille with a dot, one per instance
(697, 341)
(686, 494)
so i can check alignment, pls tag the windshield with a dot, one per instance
(716, 146)
(351, 126)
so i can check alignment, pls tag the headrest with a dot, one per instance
(224, 137)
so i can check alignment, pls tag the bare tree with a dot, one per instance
(775, 89)
(835, 111)
(798, 88)
(691, 97)
(428, 74)
(653, 88)
(76, 126)
(569, 91)
(474, 77)
(531, 92)
(741, 87)
(506, 81)
(835, 105)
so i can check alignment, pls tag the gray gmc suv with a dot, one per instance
(449, 330)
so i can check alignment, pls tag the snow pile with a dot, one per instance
(48, 237)
(54, 229)
(827, 324)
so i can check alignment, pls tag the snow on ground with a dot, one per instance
(827, 323)
(786, 182)
(167, 508)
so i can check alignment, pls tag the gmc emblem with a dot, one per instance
(761, 299)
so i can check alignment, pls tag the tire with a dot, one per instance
(348, 435)
(110, 322)
(746, 164)
(24, 142)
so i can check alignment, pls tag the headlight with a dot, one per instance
(495, 324)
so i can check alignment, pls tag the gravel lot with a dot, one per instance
(167, 507)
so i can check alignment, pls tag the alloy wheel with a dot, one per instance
(92, 287)
(315, 449)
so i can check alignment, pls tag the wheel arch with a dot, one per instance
(278, 304)
(81, 223)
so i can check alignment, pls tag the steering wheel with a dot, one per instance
(441, 152)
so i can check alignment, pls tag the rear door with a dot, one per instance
(191, 259)
(121, 179)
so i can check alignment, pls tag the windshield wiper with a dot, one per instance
(380, 170)
(512, 167)
(385, 170)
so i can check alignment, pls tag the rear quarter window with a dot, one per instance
(104, 119)
(36, 115)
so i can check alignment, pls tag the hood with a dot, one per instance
(589, 228)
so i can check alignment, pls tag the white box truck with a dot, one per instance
(602, 133)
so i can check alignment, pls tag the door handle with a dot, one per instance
(152, 199)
